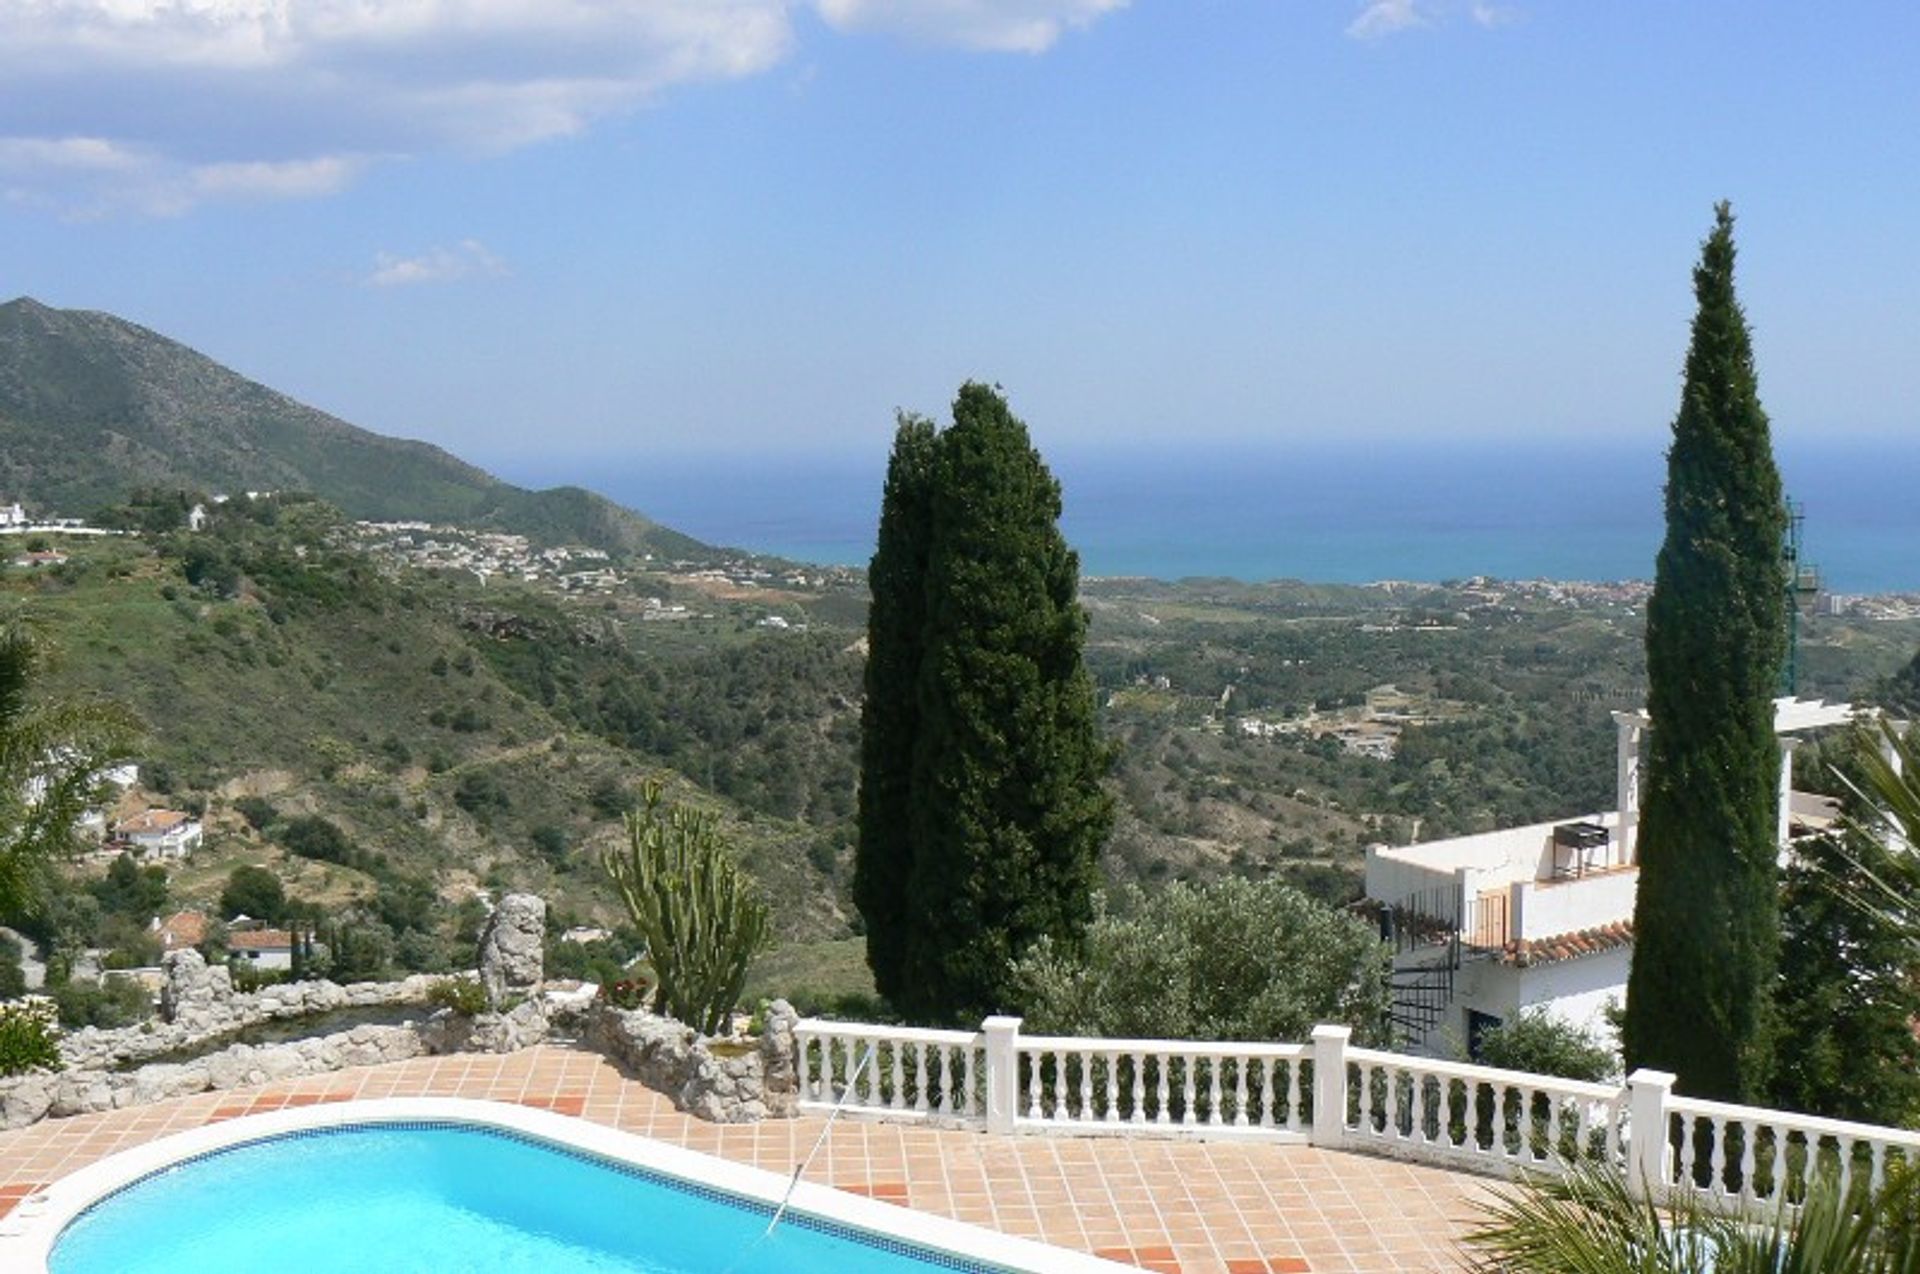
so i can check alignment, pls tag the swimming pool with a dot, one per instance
(416, 1185)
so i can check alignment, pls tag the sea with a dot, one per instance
(1356, 512)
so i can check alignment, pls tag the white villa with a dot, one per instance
(263, 948)
(1538, 917)
(159, 833)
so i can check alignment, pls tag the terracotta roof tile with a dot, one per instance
(260, 940)
(1568, 946)
(183, 929)
(154, 820)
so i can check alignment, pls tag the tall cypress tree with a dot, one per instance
(1707, 916)
(890, 715)
(1003, 808)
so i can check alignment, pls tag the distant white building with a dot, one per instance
(160, 833)
(1539, 917)
(12, 515)
(263, 948)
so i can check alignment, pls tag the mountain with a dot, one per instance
(92, 406)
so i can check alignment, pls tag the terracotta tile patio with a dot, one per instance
(1175, 1207)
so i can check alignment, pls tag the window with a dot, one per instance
(1478, 1024)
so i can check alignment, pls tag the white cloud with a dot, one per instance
(89, 177)
(465, 259)
(1385, 17)
(1005, 26)
(226, 99)
(1381, 18)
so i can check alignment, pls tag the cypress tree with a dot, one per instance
(890, 714)
(1707, 914)
(1006, 813)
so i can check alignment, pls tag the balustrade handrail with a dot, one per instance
(1472, 1073)
(1502, 1121)
(1818, 1125)
(816, 1026)
(1181, 1048)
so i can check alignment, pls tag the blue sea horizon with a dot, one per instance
(1322, 513)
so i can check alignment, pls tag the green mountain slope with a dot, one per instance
(458, 734)
(92, 406)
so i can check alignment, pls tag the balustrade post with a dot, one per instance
(1003, 1072)
(1647, 1094)
(1330, 1085)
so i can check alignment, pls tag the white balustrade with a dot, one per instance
(1491, 1120)
(897, 1071)
(1476, 1118)
(1757, 1159)
(1216, 1090)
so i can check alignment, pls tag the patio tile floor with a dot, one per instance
(1171, 1206)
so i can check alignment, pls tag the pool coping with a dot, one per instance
(28, 1235)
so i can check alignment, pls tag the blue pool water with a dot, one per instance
(430, 1198)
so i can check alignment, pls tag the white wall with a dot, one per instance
(1502, 857)
(1575, 991)
(1552, 907)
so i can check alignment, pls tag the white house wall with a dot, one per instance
(1548, 908)
(1499, 858)
(1575, 991)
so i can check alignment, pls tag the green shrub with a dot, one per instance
(29, 1034)
(1542, 1044)
(463, 995)
(109, 1003)
(312, 836)
(1231, 960)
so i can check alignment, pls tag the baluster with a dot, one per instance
(1139, 1088)
(1213, 1090)
(943, 1061)
(1239, 1092)
(1749, 1154)
(1086, 1086)
(1293, 1095)
(1777, 1160)
(1846, 1163)
(1417, 1110)
(1718, 1161)
(1687, 1124)
(1552, 1147)
(1112, 1113)
(875, 1074)
(921, 1073)
(1164, 1115)
(966, 1078)
(1034, 1063)
(1879, 1177)
(1188, 1113)
(896, 1100)
(1393, 1076)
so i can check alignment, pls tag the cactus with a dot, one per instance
(698, 912)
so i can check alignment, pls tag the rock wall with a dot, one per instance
(513, 949)
(26, 1099)
(715, 1080)
(198, 1004)
(723, 1081)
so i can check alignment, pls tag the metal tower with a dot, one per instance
(1803, 586)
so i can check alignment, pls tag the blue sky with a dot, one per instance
(567, 230)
